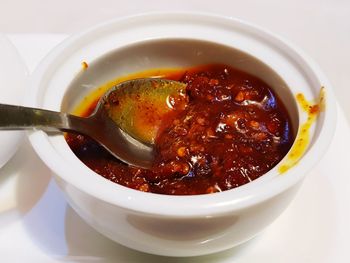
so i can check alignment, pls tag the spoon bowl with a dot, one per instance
(112, 124)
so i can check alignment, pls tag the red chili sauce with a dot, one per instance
(233, 130)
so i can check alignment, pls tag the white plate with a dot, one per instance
(13, 75)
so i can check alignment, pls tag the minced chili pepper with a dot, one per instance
(233, 130)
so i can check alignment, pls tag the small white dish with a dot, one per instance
(160, 224)
(13, 77)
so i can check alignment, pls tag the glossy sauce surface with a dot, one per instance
(232, 130)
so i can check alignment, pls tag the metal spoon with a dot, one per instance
(113, 123)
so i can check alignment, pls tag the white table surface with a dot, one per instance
(37, 225)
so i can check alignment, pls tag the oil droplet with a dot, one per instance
(303, 138)
(84, 65)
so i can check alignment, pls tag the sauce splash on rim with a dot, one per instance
(303, 138)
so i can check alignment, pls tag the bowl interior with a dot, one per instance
(172, 53)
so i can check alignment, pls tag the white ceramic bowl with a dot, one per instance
(176, 225)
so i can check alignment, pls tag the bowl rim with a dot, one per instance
(195, 205)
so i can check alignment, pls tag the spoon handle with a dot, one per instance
(98, 126)
(21, 118)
